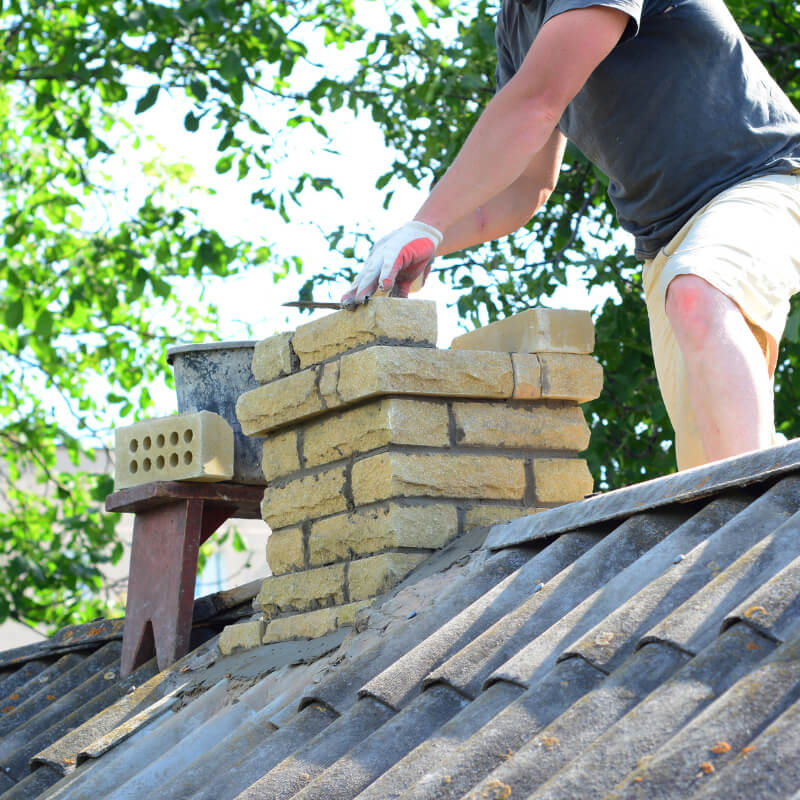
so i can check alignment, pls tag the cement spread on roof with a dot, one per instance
(651, 653)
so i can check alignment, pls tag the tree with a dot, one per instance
(89, 273)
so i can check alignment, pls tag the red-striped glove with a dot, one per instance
(398, 263)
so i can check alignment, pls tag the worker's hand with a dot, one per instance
(396, 262)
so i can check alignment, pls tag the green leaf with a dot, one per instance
(224, 164)
(44, 325)
(148, 99)
(191, 122)
(230, 67)
(198, 89)
(13, 313)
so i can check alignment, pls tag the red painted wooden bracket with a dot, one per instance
(172, 520)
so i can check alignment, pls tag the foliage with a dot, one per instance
(91, 273)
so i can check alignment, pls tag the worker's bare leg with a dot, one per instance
(728, 377)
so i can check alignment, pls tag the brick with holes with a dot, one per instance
(183, 447)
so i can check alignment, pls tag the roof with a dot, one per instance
(642, 643)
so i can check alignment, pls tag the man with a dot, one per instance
(702, 150)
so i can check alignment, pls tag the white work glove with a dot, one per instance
(398, 263)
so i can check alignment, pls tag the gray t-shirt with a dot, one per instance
(679, 111)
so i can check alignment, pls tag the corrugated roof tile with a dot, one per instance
(298, 770)
(696, 621)
(584, 721)
(499, 739)
(439, 746)
(682, 487)
(774, 608)
(11, 681)
(242, 776)
(658, 717)
(468, 669)
(402, 680)
(639, 652)
(392, 741)
(679, 767)
(341, 689)
(767, 767)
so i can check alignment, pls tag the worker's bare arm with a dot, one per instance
(514, 206)
(520, 119)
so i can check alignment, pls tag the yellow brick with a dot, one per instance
(570, 377)
(533, 427)
(388, 421)
(391, 475)
(345, 535)
(312, 624)
(279, 455)
(272, 358)
(272, 406)
(285, 550)
(527, 376)
(306, 497)
(381, 319)
(534, 331)
(244, 636)
(369, 577)
(417, 370)
(328, 383)
(561, 480)
(301, 591)
(486, 515)
(184, 447)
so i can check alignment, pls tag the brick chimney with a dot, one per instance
(380, 448)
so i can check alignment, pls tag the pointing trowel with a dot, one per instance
(312, 304)
(415, 287)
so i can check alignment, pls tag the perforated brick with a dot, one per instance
(185, 447)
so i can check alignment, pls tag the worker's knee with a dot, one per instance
(695, 309)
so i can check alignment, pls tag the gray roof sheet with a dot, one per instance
(644, 643)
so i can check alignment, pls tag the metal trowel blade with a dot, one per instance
(312, 304)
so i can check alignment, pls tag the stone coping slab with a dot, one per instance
(426, 372)
(537, 330)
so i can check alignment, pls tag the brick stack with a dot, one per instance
(379, 448)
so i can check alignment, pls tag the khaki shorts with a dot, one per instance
(746, 244)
